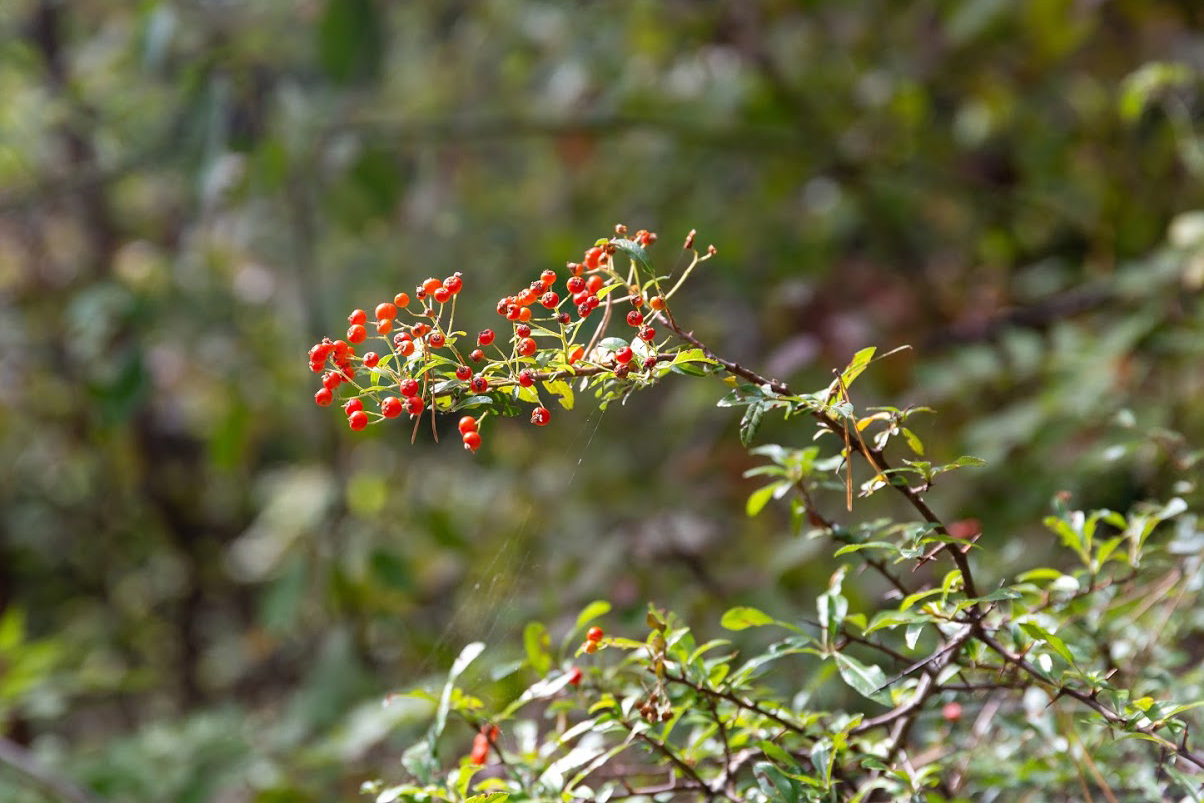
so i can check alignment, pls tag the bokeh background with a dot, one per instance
(208, 585)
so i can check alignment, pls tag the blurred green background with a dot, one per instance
(208, 585)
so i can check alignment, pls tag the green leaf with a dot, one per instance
(592, 611)
(865, 680)
(488, 797)
(1056, 644)
(744, 617)
(692, 355)
(536, 643)
(760, 497)
(858, 365)
(466, 657)
(635, 252)
(351, 40)
(563, 390)
(751, 422)
(914, 442)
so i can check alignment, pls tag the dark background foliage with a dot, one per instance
(207, 584)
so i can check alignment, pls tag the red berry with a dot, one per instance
(576, 353)
(340, 350)
(485, 337)
(512, 312)
(357, 420)
(453, 283)
(540, 416)
(419, 293)
(524, 314)
(575, 267)
(522, 330)
(348, 372)
(472, 440)
(592, 302)
(647, 334)
(548, 278)
(594, 283)
(624, 355)
(357, 316)
(390, 407)
(477, 355)
(371, 359)
(649, 361)
(405, 348)
(503, 304)
(563, 318)
(480, 749)
(414, 405)
(479, 384)
(384, 326)
(575, 676)
(580, 298)
(436, 340)
(323, 397)
(332, 380)
(409, 386)
(401, 300)
(594, 634)
(468, 424)
(575, 284)
(635, 317)
(442, 295)
(526, 377)
(431, 285)
(357, 333)
(549, 300)
(419, 329)
(527, 346)
(951, 711)
(352, 406)
(593, 257)
(386, 311)
(657, 303)
(463, 373)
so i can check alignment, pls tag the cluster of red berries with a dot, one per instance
(414, 362)
(593, 637)
(481, 743)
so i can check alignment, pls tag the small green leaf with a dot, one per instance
(563, 390)
(745, 617)
(488, 797)
(536, 642)
(858, 364)
(759, 498)
(592, 611)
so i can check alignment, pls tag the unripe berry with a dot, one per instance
(657, 303)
